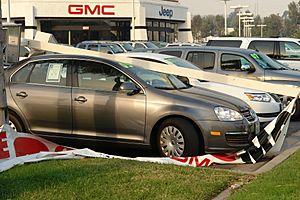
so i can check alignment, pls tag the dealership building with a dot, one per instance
(77, 20)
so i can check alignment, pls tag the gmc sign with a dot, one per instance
(79, 9)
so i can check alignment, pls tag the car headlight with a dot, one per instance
(226, 114)
(261, 97)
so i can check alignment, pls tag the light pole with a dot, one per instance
(246, 19)
(238, 8)
(8, 11)
(261, 29)
(225, 16)
(133, 21)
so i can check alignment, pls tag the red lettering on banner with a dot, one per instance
(3, 144)
(205, 162)
(183, 160)
(79, 9)
(26, 146)
(190, 160)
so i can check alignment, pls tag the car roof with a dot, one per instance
(255, 38)
(205, 48)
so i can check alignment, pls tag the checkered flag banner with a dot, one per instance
(271, 138)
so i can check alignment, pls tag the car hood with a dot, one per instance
(212, 98)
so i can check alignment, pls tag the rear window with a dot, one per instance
(204, 60)
(224, 43)
(267, 47)
(172, 53)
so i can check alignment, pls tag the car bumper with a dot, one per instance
(232, 137)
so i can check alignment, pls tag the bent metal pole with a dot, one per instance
(286, 90)
(3, 102)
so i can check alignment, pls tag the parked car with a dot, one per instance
(124, 45)
(83, 97)
(244, 63)
(267, 106)
(143, 45)
(182, 44)
(285, 50)
(101, 46)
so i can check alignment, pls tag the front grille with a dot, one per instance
(248, 115)
(238, 139)
(268, 114)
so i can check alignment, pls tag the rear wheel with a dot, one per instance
(15, 123)
(178, 137)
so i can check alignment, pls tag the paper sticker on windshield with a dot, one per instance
(255, 56)
(54, 72)
(125, 65)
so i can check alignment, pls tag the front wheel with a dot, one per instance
(177, 138)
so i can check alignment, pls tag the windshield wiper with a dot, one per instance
(165, 88)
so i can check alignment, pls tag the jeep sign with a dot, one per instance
(166, 12)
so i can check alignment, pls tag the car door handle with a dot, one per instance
(22, 94)
(81, 99)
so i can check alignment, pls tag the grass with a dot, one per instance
(111, 179)
(283, 182)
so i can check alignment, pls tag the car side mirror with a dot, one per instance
(129, 88)
(248, 68)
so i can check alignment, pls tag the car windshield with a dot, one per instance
(266, 62)
(115, 48)
(156, 79)
(151, 45)
(180, 63)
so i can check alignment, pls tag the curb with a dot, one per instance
(267, 167)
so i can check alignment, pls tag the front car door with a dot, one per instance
(238, 65)
(100, 109)
(42, 92)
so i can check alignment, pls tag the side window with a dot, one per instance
(98, 76)
(231, 62)
(204, 60)
(21, 76)
(266, 47)
(81, 46)
(289, 50)
(93, 47)
(49, 73)
(172, 53)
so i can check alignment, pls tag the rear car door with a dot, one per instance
(100, 110)
(42, 93)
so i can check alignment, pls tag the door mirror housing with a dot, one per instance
(184, 79)
(248, 68)
(129, 88)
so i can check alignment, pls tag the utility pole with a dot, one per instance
(3, 101)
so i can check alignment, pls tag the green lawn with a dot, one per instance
(111, 179)
(283, 182)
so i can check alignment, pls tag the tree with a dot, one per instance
(274, 25)
(196, 27)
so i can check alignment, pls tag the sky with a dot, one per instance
(214, 7)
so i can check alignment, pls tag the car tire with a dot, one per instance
(178, 138)
(15, 123)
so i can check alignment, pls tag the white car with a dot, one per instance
(284, 50)
(267, 106)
